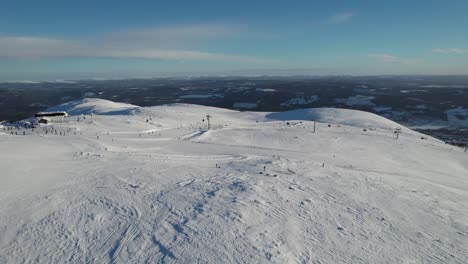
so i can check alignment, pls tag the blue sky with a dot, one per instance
(111, 39)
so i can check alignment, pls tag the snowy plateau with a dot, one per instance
(153, 185)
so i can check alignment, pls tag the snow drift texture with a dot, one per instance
(254, 189)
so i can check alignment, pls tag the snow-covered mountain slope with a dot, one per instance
(87, 106)
(337, 116)
(149, 186)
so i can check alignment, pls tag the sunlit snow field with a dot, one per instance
(149, 185)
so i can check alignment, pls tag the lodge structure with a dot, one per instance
(43, 120)
(49, 117)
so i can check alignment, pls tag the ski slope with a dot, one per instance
(152, 185)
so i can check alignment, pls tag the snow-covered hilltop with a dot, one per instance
(150, 185)
(87, 106)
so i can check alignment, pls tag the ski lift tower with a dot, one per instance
(397, 132)
(208, 120)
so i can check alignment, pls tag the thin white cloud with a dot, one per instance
(33, 47)
(342, 17)
(386, 58)
(180, 55)
(168, 43)
(170, 36)
(451, 51)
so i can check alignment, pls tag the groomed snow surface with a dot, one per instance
(146, 185)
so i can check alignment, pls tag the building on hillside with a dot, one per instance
(52, 114)
(43, 120)
(48, 117)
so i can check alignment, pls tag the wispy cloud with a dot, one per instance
(164, 43)
(342, 17)
(386, 58)
(451, 51)
(171, 36)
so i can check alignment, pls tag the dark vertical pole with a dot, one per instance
(208, 119)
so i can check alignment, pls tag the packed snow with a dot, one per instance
(153, 185)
